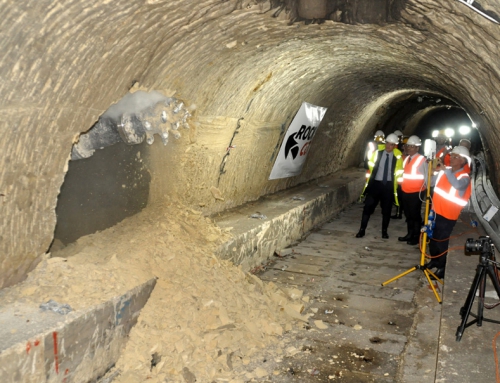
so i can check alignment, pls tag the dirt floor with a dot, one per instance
(206, 320)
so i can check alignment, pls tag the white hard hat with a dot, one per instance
(392, 139)
(379, 133)
(463, 152)
(414, 140)
(398, 133)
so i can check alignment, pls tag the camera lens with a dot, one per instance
(471, 245)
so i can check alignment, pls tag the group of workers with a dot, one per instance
(398, 174)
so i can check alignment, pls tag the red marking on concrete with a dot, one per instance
(28, 347)
(56, 357)
(37, 342)
(66, 372)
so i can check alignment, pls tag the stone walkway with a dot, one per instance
(359, 331)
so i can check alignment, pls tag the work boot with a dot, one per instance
(385, 235)
(433, 263)
(414, 240)
(439, 273)
(364, 223)
(408, 236)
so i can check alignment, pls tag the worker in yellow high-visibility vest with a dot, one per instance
(385, 168)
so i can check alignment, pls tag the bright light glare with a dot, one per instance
(435, 133)
(474, 125)
(464, 130)
(449, 132)
(430, 149)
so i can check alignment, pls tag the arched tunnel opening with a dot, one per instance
(107, 178)
(143, 237)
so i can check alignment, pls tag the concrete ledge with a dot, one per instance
(42, 346)
(288, 219)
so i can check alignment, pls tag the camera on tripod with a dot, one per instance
(481, 245)
(487, 267)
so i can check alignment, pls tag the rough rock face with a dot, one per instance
(242, 72)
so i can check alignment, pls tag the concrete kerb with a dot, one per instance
(289, 215)
(77, 347)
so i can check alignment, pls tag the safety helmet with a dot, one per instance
(466, 142)
(463, 152)
(379, 136)
(392, 139)
(404, 139)
(414, 140)
(398, 133)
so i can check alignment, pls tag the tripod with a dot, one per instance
(485, 267)
(422, 266)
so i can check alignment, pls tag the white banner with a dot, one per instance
(293, 151)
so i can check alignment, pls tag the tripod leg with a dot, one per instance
(494, 279)
(466, 309)
(480, 302)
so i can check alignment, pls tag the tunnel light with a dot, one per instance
(435, 133)
(474, 125)
(464, 130)
(449, 132)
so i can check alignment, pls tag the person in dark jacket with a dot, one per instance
(385, 168)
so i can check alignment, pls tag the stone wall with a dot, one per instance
(242, 72)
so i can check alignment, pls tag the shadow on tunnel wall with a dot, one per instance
(100, 191)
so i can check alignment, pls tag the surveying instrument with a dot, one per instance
(430, 153)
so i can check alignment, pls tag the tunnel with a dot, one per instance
(133, 128)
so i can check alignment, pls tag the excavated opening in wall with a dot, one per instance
(108, 178)
(100, 191)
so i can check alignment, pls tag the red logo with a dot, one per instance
(305, 148)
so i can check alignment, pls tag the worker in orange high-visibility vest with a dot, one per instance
(413, 188)
(452, 191)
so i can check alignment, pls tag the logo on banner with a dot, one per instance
(291, 146)
(305, 133)
(297, 141)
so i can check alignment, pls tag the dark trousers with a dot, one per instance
(412, 206)
(442, 230)
(378, 193)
